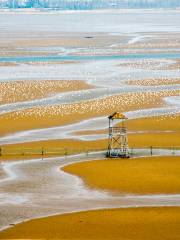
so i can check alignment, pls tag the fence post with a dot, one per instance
(42, 151)
(173, 150)
(151, 150)
(0, 151)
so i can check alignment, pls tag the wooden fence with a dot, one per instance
(149, 150)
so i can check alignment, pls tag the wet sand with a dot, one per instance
(140, 125)
(30, 43)
(67, 40)
(153, 175)
(120, 224)
(49, 116)
(68, 146)
(92, 134)
(2, 172)
(161, 123)
(27, 191)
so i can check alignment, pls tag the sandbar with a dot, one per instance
(155, 223)
(148, 175)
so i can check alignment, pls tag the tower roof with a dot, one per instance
(117, 115)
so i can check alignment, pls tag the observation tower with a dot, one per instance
(118, 140)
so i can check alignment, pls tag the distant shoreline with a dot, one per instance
(109, 10)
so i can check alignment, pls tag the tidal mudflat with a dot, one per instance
(61, 75)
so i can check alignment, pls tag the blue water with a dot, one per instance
(90, 4)
(55, 58)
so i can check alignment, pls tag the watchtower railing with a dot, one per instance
(117, 130)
